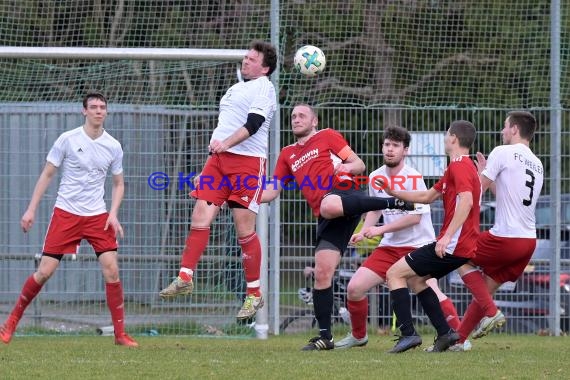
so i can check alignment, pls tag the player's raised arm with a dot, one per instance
(271, 191)
(421, 196)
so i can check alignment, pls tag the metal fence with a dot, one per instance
(173, 142)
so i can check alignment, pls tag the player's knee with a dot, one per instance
(393, 278)
(41, 276)
(111, 275)
(203, 214)
(110, 270)
(323, 276)
(355, 292)
(330, 208)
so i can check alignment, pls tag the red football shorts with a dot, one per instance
(232, 177)
(66, 230)
(382, 258)
(502, 258)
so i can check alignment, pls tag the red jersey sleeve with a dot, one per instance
(439, 184)
(282, 169)
(338, 144)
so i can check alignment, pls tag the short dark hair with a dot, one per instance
(269, 54)
(91, 95)
(397, 133)
(525, 121)
(310, 107)
(464, 131)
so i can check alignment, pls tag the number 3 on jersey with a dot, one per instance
(530, 185)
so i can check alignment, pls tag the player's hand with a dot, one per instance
(342, 171)
(115, 225)
(308, 271)
(27, 220)
(384, 186)
(356, 238)
(481, 162)
(217, 146)
(372, 232)
(441, 245)
(196, 180)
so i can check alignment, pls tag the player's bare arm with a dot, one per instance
(397, 225)
(116, 200)
(420, 196)
(353, 165)
(369, 222)
(42, 184)
(463, 207)
(252, 125)
(217, 146)
(271, 192)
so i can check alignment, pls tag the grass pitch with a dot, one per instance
(167, 357)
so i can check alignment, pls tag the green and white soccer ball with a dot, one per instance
(309, 60)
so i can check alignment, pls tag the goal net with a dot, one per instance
(163, 112)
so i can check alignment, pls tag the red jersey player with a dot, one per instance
(460, 189)
(323, 165)
(515, 175)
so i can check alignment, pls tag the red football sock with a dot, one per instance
(450, 313)
(471, 319)
(196, 243)
(358, 315)
(476, 284)
(251, 261)
(29, 291)
(115, 303)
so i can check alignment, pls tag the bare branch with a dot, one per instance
(454, 59)
(332, 83)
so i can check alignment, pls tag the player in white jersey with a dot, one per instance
(234, 174)
(84, 156)
(84, 163)
(515, 175)
(255, 99)
(401, 231)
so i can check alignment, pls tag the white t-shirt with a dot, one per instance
(518, 175)
(417, 235)
(254, 96)
(84, 164)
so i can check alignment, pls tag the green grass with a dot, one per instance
(168, 357)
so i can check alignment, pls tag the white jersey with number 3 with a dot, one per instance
(518, 175)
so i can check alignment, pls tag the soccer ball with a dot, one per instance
(309, 60)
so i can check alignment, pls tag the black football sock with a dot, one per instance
(401, 305)
(323, 306)
(432, 308)
(357, 204)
